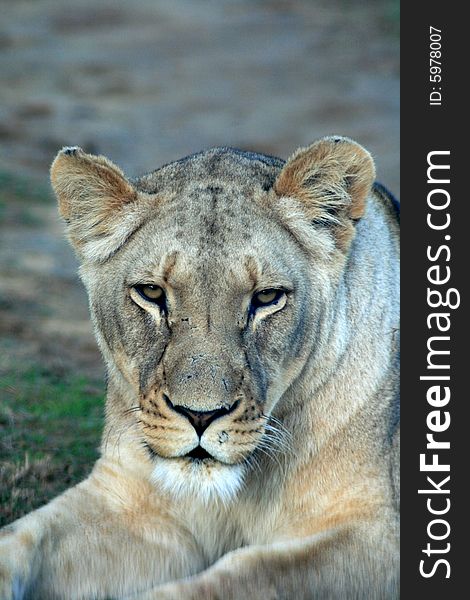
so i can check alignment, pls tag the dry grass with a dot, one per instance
(49, 433)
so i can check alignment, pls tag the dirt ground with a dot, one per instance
(147, 82)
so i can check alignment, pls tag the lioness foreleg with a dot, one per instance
(336, 564)
(106, 537)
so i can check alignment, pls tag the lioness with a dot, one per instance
(247, 311)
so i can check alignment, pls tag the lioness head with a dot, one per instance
(209, 281)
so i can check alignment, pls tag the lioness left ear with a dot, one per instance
(96, 201)
(331, 179)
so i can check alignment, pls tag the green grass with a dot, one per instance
(50, 429)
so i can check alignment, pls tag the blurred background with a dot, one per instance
(147, 82)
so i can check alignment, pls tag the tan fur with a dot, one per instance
(299, 499)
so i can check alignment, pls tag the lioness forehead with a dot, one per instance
(208, 211)
(211, 235)
(224, 165)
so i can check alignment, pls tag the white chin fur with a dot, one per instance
(206, 482)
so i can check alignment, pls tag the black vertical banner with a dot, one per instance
(435, 258)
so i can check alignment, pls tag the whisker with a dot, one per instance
(275, 443)
(254, 462)
(277, 426)
(280, 425)
(275, 437)
(280, 440)
(131, 410)
(117, 433)
(265, 450)
(273, 451)
(123, 429)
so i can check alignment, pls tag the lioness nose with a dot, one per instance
(201, 420)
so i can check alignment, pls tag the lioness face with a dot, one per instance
(205, 305)
(204, 312)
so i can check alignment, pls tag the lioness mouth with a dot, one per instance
(198, 453)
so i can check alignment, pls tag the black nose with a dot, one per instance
(201, 420)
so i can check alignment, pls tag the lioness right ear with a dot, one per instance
(96, 201)
(331, 179)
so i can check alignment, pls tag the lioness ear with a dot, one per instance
(96, 201)
(332, 179)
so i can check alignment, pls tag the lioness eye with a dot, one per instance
(266, 297)
(152, 293)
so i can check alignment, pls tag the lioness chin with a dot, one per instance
(247, 312)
